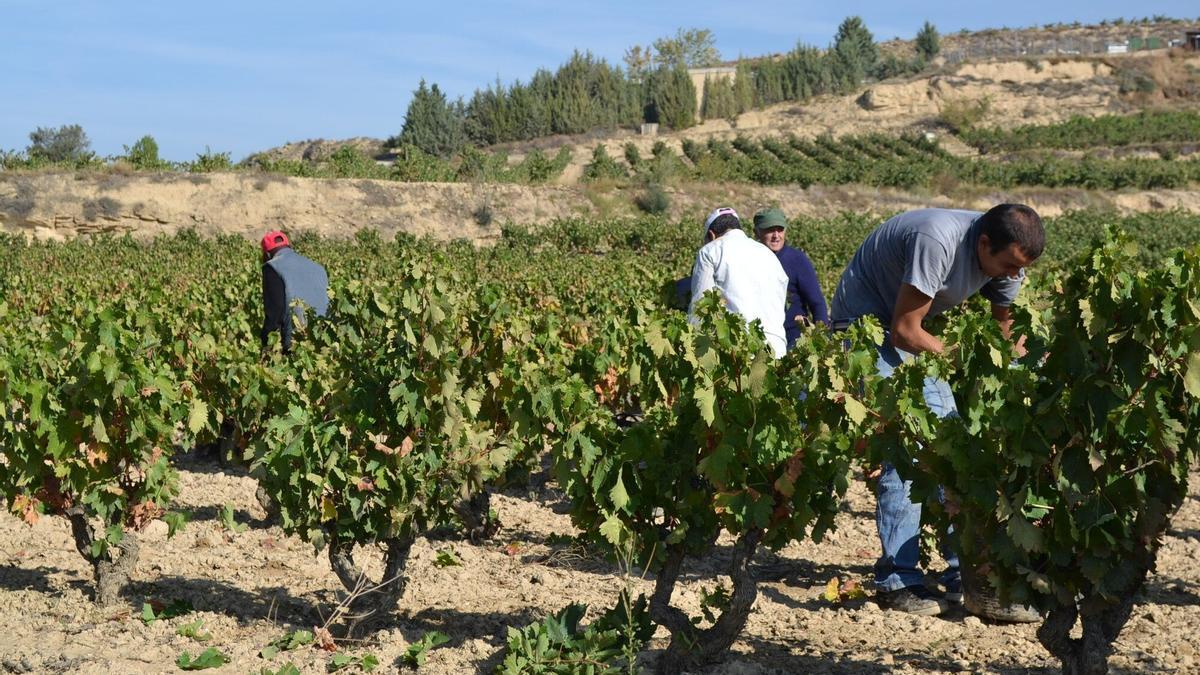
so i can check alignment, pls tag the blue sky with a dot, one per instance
(249, 75)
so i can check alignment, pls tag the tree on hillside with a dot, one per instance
(143, 154)
(671, 98)
(928, 42)
(720, 102)
(855, 47)
(743, 87)
(67, 143)
(691, 48)
(432, 123)
(638, 60)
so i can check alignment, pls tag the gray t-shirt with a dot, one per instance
(934, 250)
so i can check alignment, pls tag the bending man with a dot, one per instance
(917, 265)
(287, 277)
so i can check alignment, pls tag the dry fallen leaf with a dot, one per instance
(324, 639)
(831, 590)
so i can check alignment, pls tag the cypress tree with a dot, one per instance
(855, 48)
(433, 124)
(928, 42)
(671, 98)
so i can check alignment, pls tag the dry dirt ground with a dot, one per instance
(249, 587)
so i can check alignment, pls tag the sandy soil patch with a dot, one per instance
(250, 587)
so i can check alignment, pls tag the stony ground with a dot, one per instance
(251, 586)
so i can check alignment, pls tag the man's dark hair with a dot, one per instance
(1018, 224)
(723, 224)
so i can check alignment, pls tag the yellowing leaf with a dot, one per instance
(1191, 378)
(197, 415)
(831, 590)
(855, 409)
(98, 430)
(706, 398)
(328, 509)
(618, 495)
(613, 530)
(997, 357)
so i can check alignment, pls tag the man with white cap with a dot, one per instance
(748, 274)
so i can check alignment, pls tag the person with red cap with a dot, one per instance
(290, 281)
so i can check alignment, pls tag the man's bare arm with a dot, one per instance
(907, 332)
(1003, 316)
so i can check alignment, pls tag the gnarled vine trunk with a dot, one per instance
(690, 646)
(1102, 622)
(476, 514)
(367, 599)
(111, 573)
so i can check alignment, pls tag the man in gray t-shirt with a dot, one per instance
(918, 264)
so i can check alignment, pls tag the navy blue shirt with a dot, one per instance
(804, 297)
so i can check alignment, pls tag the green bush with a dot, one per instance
(653, 200)
(209, 161)
(602, 166)
(633, 156)
(961, 115)
(68, 143)
(143, 154)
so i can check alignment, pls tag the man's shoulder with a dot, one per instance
(790, 254)
(938, 223)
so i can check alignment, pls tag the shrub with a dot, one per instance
(538, 169)
(67, 143)
(209, 161)
(143, 154)
(633, 156)
(602, 166)
(349, 162)
(483, 214)
(962, 114)
(653, 200)
(928, 43)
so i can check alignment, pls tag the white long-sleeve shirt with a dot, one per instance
(751, 280)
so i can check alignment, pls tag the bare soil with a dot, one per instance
(250, 587)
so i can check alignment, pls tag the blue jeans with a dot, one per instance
(896, 516)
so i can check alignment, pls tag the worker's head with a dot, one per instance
(769, 226)
(1011, 237)
(720, 221)
(272, 242)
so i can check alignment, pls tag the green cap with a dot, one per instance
(768, 218)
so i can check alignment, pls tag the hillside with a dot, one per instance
(1018, 92)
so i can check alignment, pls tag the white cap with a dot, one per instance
(717, 213)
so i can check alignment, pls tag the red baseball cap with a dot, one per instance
(273, 240)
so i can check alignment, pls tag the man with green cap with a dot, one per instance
(805, 302)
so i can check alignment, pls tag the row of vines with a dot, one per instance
(444, 372)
